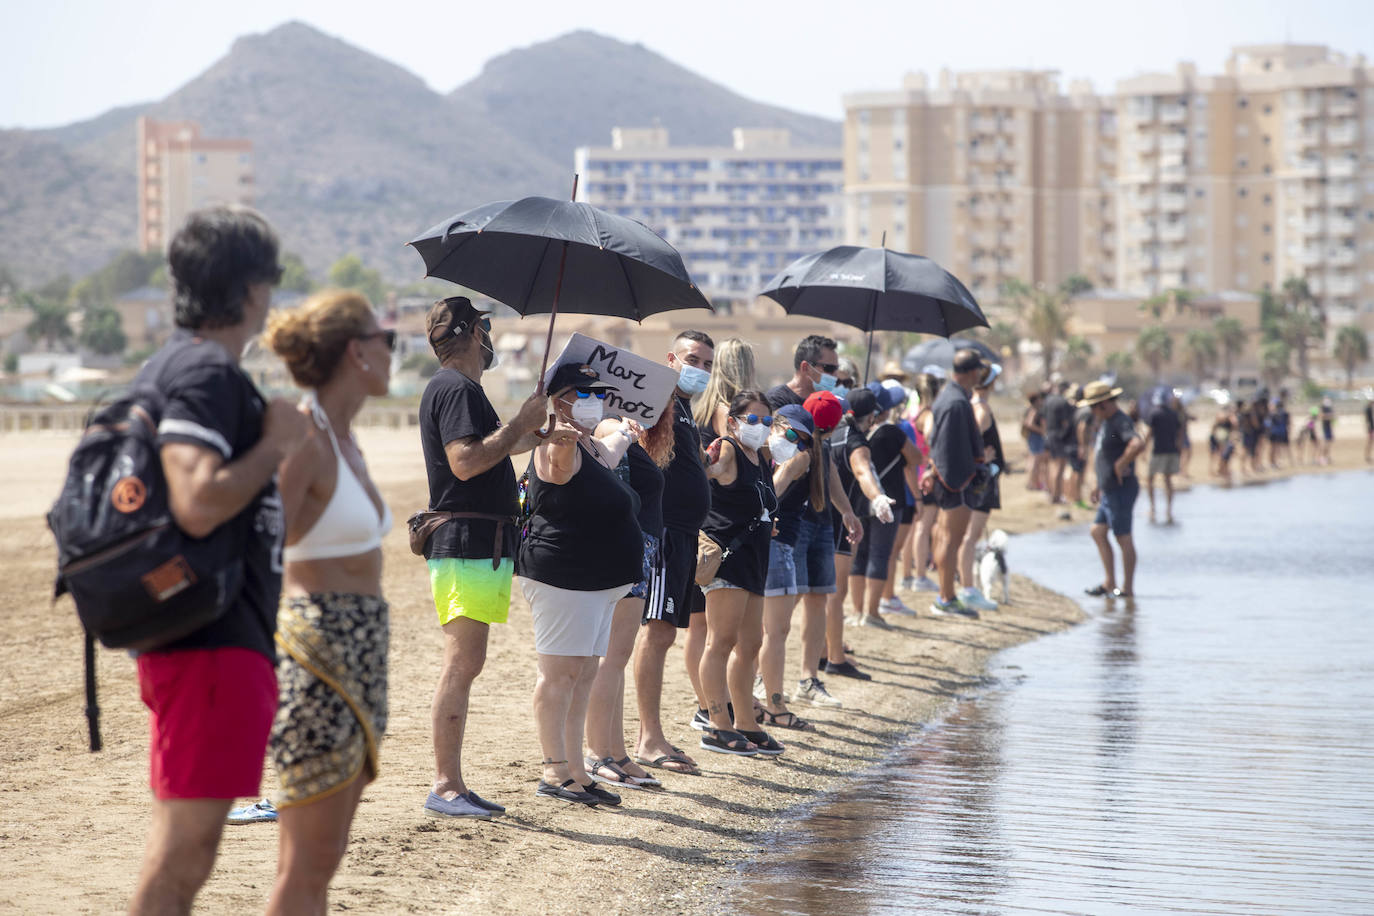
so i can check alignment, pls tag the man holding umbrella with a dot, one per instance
(471, 554)
(956, 450)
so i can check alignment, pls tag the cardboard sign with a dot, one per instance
(643, 387)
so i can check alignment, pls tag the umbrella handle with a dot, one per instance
(548, 428)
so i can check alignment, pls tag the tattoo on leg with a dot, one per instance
(777, 699)
(715, 708)
(549, 762)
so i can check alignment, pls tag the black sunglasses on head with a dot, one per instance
(388, 334)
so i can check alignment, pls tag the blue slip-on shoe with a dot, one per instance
(481, 802)
(458, 806)
(260, 812)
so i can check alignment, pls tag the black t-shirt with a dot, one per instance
(213, 404)
(781, 395)
(646, 479)
(956, 446)
(686, 493)
(845, 442)
(886, 444)
(583, 534)
(1113, 434)
(1164, 430)
(455, 407)
(1058, 418)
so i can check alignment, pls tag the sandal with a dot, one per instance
(785, 719)
(646, 781)
(765, 743)
(724, 741)
(682, 764)
(1097, 591)
(618, 776)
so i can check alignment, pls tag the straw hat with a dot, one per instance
(1097, 392)
(893, 370)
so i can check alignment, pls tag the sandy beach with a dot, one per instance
(72, 824)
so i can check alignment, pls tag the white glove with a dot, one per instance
(881, 509)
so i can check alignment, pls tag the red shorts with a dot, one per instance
(212, 710)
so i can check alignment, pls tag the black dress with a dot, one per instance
(743, 509)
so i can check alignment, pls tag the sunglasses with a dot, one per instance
(599, 395)
(752, 418)
(792, 435)
(388, 335)
(831, 368)
(847, 382)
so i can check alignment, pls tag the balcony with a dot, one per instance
(1340, 226)
(984, 153)
(1307, 138)
(1340, 168)
(1173, 143)
(1341, 195)
(1311, 257)
(1173, 114)
(1145, 203)
(1341, 285)
(983, 124)
(1143, 144)
(1340, 107)
(1175, 260)
(1143, 230)
(1341, 257)
(1172, 279)
(1343, 134)
(1314, 226)
(1311, 198)
(1173, 232)
(1306, 168)
(1173, 203)
(1178, 172)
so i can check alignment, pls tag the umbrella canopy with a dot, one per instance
(510, 250)
(876, 289)
(940, 353)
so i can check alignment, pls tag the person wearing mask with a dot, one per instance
(212, 695)
(846, 380)
(731, 373)
(970, 594)
(894, 458)
(679, 605)
(582, 551)
(470, 555)
(912, 458)
(741, 522)
(956, 453)
(642, 468)
(332, 625)
(853, 457)
(1114, 452)
(927, 389)
(814, 369)
(1165, 438)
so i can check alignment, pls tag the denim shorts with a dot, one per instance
(813, 555)
(782, 570)
(1115, 506)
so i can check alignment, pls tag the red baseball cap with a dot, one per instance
(825, 409)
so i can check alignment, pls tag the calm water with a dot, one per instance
(1210, 750)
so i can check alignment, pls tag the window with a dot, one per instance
(1242, 102)
(1243, 192)
(1267, 257)
(1267, 229)
(1199, 192)
(1268, 109)
(1242, 163)
(1268, 199)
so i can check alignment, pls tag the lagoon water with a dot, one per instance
(1209, 749)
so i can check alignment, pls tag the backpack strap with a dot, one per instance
(92, 707)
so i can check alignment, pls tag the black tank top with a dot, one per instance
(993, 438)
(748, 501)
(583, 535)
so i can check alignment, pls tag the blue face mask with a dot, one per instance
(691, 380)
(826, 383)
(840, 390)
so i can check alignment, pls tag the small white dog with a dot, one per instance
(992, 564)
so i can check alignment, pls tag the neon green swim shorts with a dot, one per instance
(471, 589)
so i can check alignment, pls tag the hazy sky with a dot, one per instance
(72, 59)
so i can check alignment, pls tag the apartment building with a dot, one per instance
(995, 175)
(1242, 179)
(738, 213)
(180, 171)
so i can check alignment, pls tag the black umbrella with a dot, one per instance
(540, 255)
(876, 289)
(940, 352)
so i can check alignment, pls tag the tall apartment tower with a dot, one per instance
(995, 175)
(738, 214)
(1241, 180)
(180, 171)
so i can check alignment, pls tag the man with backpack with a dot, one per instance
(212, 694)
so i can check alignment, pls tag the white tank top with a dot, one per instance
(349, 524)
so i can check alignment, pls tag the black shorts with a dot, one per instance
(946, 498)
(680, 592)
(908, 515)
(992, 497)
(1060, 448)
(1076, 463)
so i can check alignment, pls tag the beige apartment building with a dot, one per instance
(1242, 179)
(180, 171)
(995, 175)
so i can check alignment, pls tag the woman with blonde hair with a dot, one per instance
(332, 626)
(732, 373)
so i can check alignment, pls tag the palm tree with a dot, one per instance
(1201, 347)
(1077, 352)
(49, 323)
(1004, 338)
(1303, 322)
(1155, 346)
(1351, 349)
(1274, 357)
(1045, 313)
(1230, 335)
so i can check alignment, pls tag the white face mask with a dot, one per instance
(751, 435)
(587, 412)
(782, 448)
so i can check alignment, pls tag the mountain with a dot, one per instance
(570, 91)
(355, 154)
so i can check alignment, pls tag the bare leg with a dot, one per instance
(834, 610)
(724, 610)
(1127, 563)
(650, 658)
(924, 529)
(183, 838)
(1104, 550)
(949, 533)
(740, 669)
(311, 845)
(693, 647)
(1150, 489)
(553, 703)
(858, 589)
(813, 633)
(1168, 499)
(777, 623)
(465, 652)
(977, 522)
(606, 704)
(576, 721)
(1056, 481)
(901, 546)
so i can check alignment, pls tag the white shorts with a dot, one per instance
(569, 622)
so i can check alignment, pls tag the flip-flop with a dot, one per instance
(685, 766)
(1097, 591)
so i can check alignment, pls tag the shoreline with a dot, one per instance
(673, 850)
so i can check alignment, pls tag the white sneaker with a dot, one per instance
(895, 605)
(924, 584)
(972, 597)
(811, 690)
(760, 691)
(909, 583)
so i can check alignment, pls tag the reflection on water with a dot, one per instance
(1208, 749)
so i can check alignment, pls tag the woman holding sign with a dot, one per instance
(743, 506)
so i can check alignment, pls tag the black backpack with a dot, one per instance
(139, 581)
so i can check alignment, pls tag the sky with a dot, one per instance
(67, 61)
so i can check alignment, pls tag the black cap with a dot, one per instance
(862, 402)
(578, 376)
(448, 317)
(968, 361)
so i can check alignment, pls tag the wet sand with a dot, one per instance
(72, 824)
